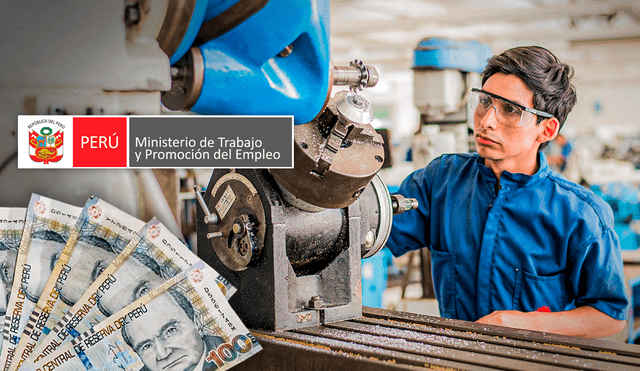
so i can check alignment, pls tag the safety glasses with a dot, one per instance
(508, 113)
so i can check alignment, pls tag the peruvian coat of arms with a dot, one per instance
(45, 146)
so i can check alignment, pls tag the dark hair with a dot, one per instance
(180, 299)
(97, 242)
(48, 236)
(147, 261)
(543, 73)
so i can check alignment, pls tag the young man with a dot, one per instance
(511, 240)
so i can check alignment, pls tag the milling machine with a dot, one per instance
(291, 240)
(444, 71)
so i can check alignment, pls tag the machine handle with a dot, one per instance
(399, 204)
(209, 218)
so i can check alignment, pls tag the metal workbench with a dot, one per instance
(390, 340)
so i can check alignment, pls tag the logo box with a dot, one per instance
(100, 141)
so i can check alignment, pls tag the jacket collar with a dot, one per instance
(515, 179)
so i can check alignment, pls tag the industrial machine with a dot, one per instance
(444, 72)
(290, 240)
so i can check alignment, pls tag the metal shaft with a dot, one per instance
(353, 75)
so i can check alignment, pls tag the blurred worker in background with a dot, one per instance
(512, 242)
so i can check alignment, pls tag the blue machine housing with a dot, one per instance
(243, 72)
(441, 53)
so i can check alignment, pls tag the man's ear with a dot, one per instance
(550, 130)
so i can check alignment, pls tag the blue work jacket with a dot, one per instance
(525, 243)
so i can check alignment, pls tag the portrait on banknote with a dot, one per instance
(183, 324)
(152, 257)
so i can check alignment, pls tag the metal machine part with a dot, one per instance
(336, 155)
(377, 226)
(444, 71)
(400, 204)
(357, 75)
(176, 25)
(295, 268)
(388, 340)
(353, 108)
(281, 73)
(313, 240)
(238, 236)
(187, 77)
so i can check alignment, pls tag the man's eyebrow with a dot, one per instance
(163, 329)
(136, 348)
(494, 95)
(138, 287)
(171, 323)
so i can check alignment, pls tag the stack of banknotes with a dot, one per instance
(95, 288)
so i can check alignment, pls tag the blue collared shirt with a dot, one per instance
(529, 241)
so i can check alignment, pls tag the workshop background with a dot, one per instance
(418, 103)
(600, 39)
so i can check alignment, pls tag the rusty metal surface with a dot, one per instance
(389, 340)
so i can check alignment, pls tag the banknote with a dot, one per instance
(183, 324)
(101, 232)
(147, 261)
(11, 226)
(47, 227)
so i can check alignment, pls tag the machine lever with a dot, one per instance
(214, 235)
(399, 204)
(208, 217)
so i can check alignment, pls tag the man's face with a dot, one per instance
(133, 280)
(166, 339)
(7, 267)
(496, 142)
(42, 257)
(87, 262)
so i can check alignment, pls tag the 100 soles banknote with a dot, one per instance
(47, 227)
(101, 232)
(188, 315)
(11, 225)
(150, 259)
